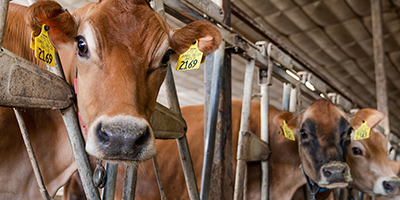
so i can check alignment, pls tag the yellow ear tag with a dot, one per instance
(363, 132)
(288, 133)
(190, 59)
(44, 50)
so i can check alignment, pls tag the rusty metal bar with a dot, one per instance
(109, 189)
(379, 62)
(4, 4)
(130, 182)
(70, 119)
(182, 143)
(160, 185)
(212, 121)
(244, 127)
(31, 154)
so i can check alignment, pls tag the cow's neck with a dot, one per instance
(45, 129)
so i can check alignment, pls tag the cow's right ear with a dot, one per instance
(370, 115)
(288, 118)
(62, 25)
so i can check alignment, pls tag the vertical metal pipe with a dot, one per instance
(379, 61)
(4, 4)
(182, 143)
(246, 173)
(264, 136)
(212, 121)
(109, 190)
(130, 182)
(293, 100)
(31, 154)
(159, 181)
(286, 96)
(356, 195)
(244, 127)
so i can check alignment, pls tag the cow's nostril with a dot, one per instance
(388, 186)
(143, 137)
(327, 173)
(102, 135)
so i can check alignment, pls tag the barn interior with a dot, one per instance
(330, 39)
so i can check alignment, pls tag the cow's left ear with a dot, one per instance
(207, 34)
(371, 116)
(62, 24)
(288, 117)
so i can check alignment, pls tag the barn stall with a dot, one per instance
(321, 49)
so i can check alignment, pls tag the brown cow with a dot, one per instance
(284, 159)
(369, 159)
(119, 51)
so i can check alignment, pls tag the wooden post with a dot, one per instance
(379, 61)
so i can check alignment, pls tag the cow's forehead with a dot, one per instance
(129, 25)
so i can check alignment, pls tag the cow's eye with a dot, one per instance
(82, 47)
(304, 134)
(167, 56)
(356, 151)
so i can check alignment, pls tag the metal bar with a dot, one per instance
(212, 121)
(293, 99)
(109, 189)
(159, 181)
(130, 182)
(379, 62)
(4, 4)
(246, 174)
(286, 96)
(264, 136)
(244, 127)
(31, 154)
(70, 119)
(182, 143)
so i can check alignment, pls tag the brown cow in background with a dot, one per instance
(118, 50)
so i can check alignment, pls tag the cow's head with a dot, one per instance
(119, 51)
(324, 136)
(369, 158)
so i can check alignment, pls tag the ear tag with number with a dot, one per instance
(190, 59)
(287, 132)
(363, 132)
(44, 50)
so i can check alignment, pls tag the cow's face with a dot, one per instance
(119, 51)
(376, 179)
(323, 133)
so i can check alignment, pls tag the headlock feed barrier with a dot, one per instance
(271, 61)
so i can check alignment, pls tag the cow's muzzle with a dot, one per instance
(121, 138)
(387, 187)
(334, 175)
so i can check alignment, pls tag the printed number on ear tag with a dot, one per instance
(190, 59)
(44, 50)
(287, 132)
(363, 132)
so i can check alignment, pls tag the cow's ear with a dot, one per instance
(62, 24)
(288, 118)
(371, 116)
(207, 34)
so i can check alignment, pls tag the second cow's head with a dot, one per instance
(323, 132)
(118, 50)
